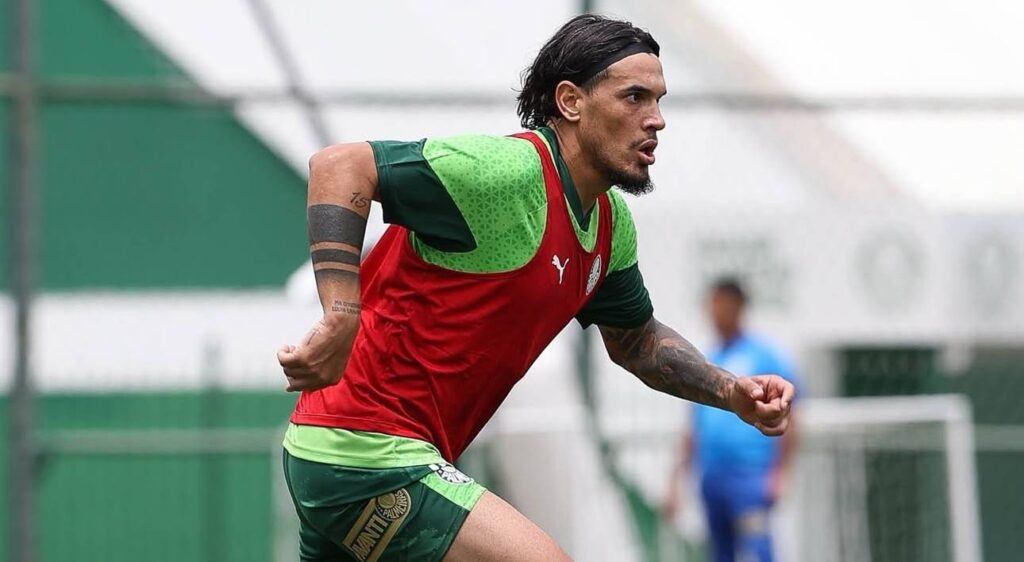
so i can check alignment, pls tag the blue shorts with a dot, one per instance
(738, 507)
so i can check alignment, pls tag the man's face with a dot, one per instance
(619, 127)
(726, 312)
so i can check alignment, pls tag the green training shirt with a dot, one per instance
(477, 204)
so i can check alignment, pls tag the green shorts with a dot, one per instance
(408, 513)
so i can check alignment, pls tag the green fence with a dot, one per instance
(158, 477)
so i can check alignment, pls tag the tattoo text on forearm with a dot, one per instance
(346, 307)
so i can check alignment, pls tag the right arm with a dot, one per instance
(342, 183)
(666, 362)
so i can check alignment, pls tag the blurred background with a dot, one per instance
(857, 165)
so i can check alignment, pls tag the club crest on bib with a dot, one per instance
(595, 274)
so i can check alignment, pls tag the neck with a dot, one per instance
(590, 183)
(729, 336)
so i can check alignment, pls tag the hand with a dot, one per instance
(321, 358)
(763, 401)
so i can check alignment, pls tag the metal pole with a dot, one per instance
(962, 482)
(290, 67)
(23, 165)
(214, 517)
(72, 90)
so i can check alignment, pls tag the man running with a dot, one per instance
(496, 244)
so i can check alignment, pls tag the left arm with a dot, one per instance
(666, 362)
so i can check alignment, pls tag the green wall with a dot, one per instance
(144, 195)
(108, 507)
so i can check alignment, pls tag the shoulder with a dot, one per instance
(489, 150)
(457, 155)
(620, 210)
(479, 164)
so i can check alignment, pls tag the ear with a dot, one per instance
(569, 99)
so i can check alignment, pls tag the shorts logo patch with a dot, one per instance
(450, 474)
(377, 525)
(595, 274)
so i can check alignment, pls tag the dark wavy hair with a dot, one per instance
(731, 286)
(580, 44)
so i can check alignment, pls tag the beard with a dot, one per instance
(631, 183)
(634, 183)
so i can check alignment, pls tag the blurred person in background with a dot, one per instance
(742, 472)
(496, 244)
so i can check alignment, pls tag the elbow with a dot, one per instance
(330, 158)
(621, 360)
(349, 164)
(618, 356)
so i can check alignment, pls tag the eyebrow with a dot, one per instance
(637, 88)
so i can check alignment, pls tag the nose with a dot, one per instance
(655, 120)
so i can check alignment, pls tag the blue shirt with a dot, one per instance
(722, 441)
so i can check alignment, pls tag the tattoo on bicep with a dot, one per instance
(359, 200)
(665, 361)
(333, 223)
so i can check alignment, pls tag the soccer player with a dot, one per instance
(496, 244)
(742, 472)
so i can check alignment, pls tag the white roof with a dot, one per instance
(954, 160)
(946, 160)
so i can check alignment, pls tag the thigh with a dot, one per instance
(496, 532)
(314, 546)
(417, 520)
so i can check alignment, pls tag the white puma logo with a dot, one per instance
(559, 266)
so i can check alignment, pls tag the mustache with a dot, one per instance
(648, 139)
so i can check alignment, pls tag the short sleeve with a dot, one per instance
(411, 195)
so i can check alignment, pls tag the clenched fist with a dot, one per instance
(763, 401)
(320, 359)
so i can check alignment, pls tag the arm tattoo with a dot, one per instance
(335, 265)
(332, 274)
(336, 234)
(332, 223)
(346, 307)
(665, 361)
(359, 200)
(335, 256)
